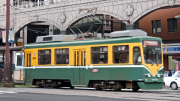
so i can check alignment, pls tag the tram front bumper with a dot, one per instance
(150, 85)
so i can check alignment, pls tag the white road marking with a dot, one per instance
(4, 92)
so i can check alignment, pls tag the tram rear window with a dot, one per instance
(44, 57)
(99, 55)
(62, 56)
(121, 54)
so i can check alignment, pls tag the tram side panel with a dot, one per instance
(82, 76)
(34, 71)
(111, 73)
(114, 74)
(48, 74)
(126, 74)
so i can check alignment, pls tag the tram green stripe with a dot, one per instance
(91, 42)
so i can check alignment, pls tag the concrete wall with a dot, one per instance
(18, 75)
(171, 62)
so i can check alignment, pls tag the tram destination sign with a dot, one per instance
(150, 43)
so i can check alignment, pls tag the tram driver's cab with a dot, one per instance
(151, 51)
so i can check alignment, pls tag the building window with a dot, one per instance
(44, 57)
(62, 56)
(156, 25)
(19, 60)
(172, 25)
(99, 55)
(121, 54)
(56, 30)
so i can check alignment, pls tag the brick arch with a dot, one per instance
(98, 12)
(150, 10)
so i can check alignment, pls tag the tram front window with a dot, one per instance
(152, 52)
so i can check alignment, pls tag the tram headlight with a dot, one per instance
(148, 75)
(158, 75)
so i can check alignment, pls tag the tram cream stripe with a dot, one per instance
(91, 66)
(159, 70)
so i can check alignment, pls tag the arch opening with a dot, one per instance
(30, 31)
(99, 24)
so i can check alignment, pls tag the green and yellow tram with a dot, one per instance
(133, 62)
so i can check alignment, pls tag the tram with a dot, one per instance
(128, 59)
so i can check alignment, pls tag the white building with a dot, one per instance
(3, 2)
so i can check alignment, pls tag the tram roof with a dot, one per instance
(133, 39)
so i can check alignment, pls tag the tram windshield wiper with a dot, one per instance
(157, 58)
(152, 64)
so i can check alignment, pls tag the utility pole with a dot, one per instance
(7, 65)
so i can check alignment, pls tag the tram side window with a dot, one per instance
(44, 57)
(99, 55)
(137, 55)
(121, 54)
(62, 56)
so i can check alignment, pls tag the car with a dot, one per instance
(166, 73)
(173, 81)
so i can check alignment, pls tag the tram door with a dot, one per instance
(79, 63)
(28, 60)
(27, 64)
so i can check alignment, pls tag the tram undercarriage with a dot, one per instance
(97, 84)
(116, 85)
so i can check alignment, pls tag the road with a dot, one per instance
(53, 97)
(86, 94)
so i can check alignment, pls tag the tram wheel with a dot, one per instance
(98, 88)
(55, 87)
(135, 89)
(117, 89)
(40, 86)
(71, 87)
(174, 86)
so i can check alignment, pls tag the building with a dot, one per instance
(109, 12)
(3, 2)
(162, 23)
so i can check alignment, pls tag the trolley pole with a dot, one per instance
(7, 65)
